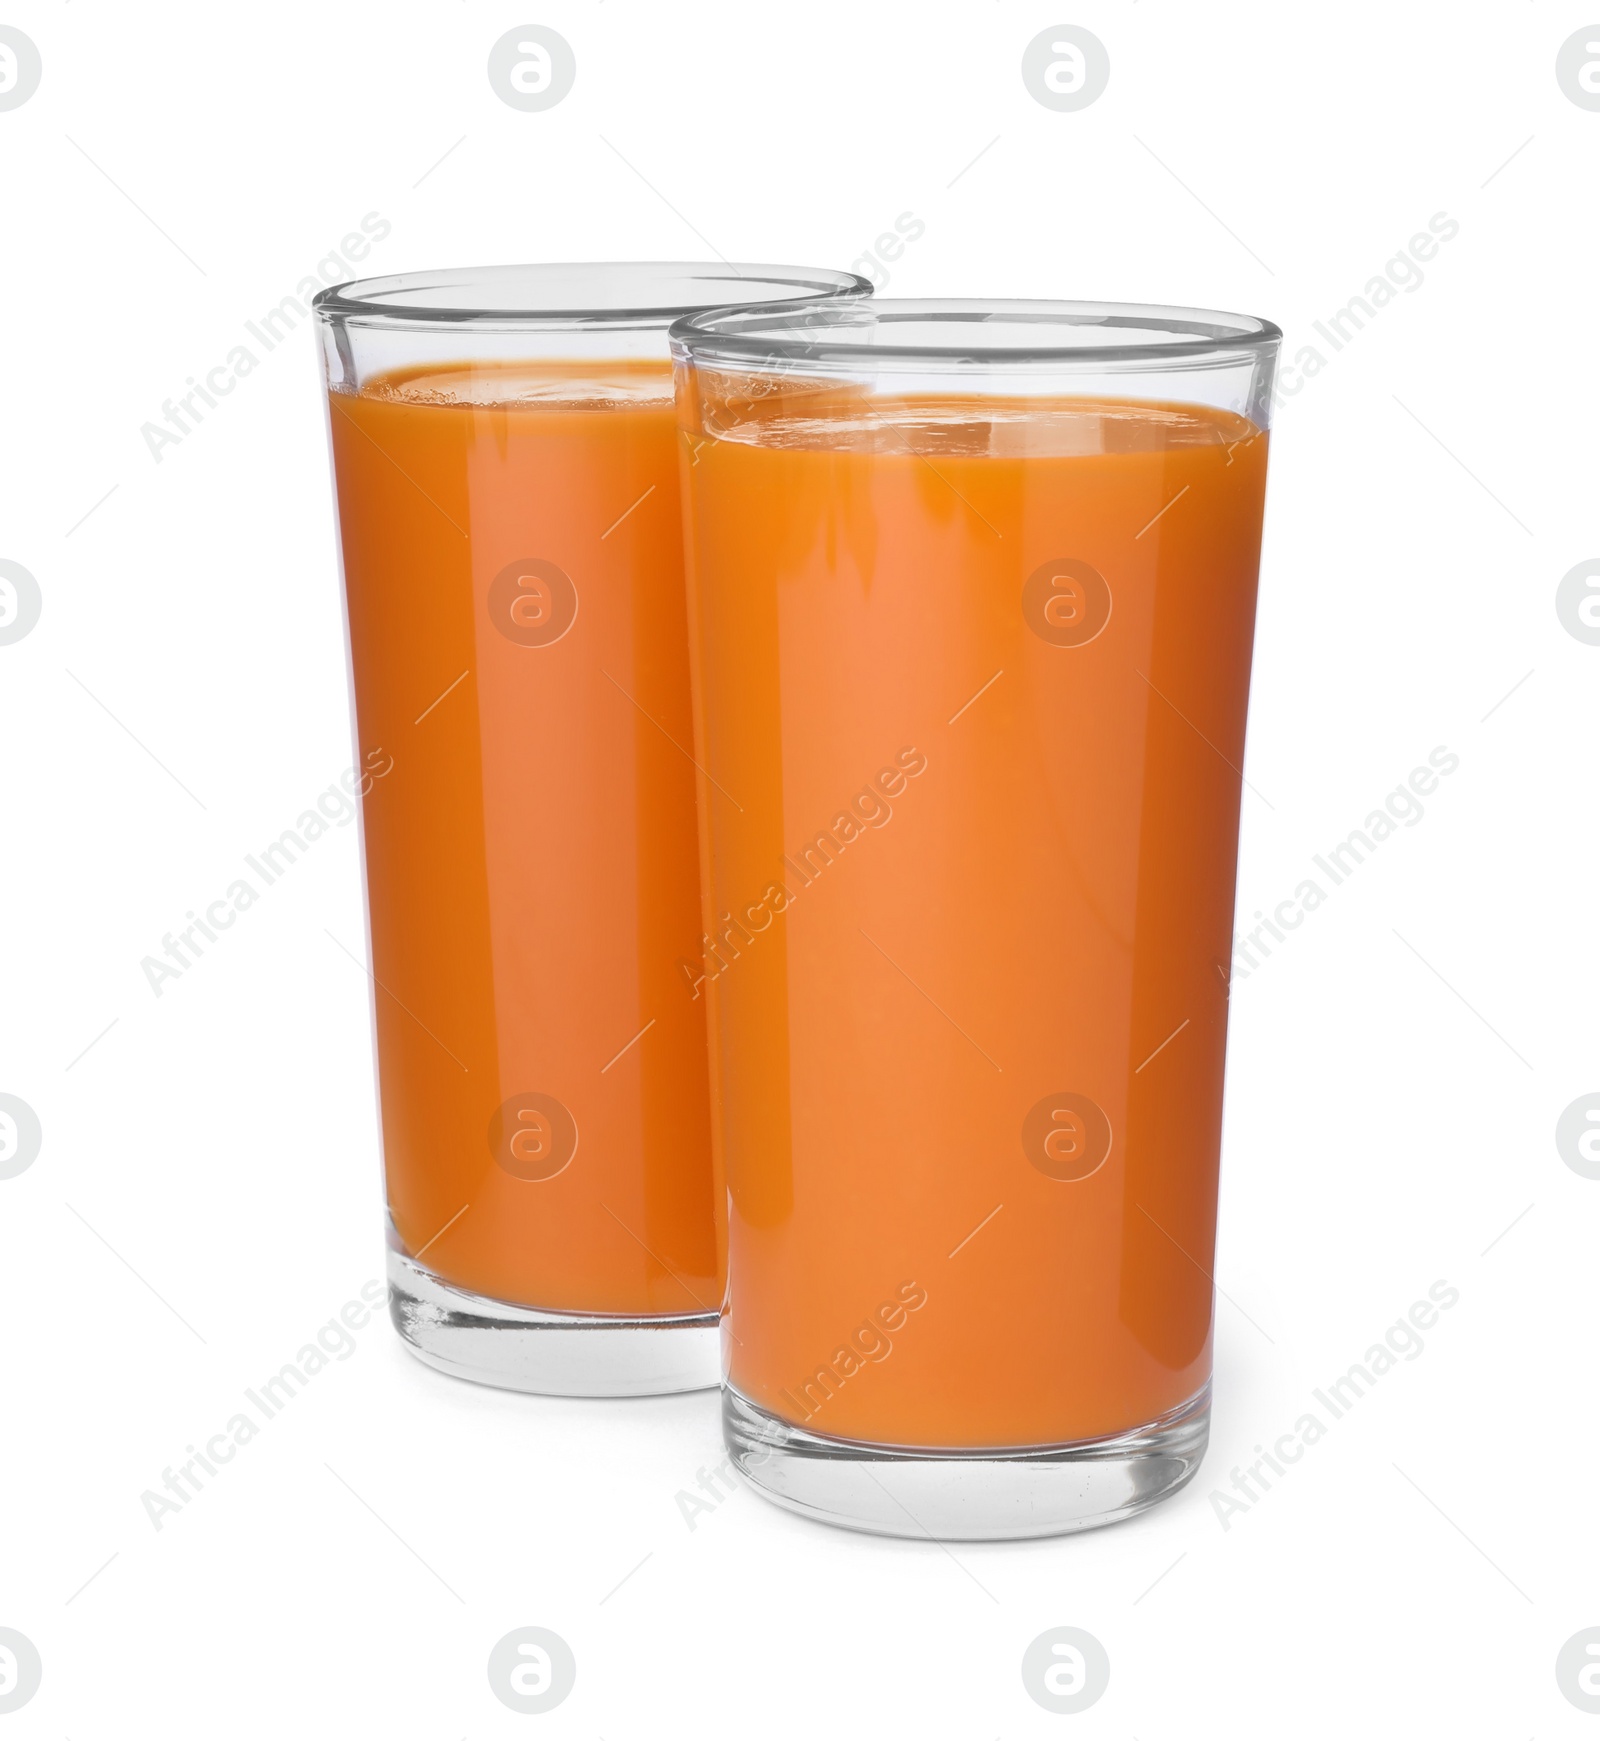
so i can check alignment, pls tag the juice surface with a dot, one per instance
(972, 674)
(514, 587)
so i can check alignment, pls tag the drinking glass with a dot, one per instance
(972, 594)
(505, 460)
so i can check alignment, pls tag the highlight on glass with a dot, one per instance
(972, 599)
(506, 466)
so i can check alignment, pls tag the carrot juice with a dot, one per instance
(513, 575)
(973, 669)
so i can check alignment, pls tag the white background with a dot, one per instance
(1396, 1069)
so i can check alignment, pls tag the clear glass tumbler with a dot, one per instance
(972, 595)
(505, 456)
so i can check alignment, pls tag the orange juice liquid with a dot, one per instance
(971, 684)
(514, 586)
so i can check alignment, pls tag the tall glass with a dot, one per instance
(505, 458)
(972, 593)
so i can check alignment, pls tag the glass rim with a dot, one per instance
(382, 301)
(772, 336)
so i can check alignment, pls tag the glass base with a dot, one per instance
(985, 1495)
(548, 1353)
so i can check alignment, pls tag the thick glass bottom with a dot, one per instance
(982, 1495)
(548, 1353)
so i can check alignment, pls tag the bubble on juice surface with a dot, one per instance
(575, 385)
(968, 426)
